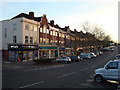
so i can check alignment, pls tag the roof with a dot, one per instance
(27, 16)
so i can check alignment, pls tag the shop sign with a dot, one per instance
(48, 47)
(61, 48)
(22, 47)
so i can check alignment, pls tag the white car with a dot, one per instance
(63, 59)
(111, 71)
(92, 54)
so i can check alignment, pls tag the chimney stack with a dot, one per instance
(31, 14)
(52, 23)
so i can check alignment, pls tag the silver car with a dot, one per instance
(63, 59)
(85, 55)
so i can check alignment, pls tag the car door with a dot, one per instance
(111, 71)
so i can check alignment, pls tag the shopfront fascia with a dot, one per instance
(23, 52)
(48, 52)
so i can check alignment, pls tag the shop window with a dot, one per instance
(26, 39)
(31, 39)
(14, 39)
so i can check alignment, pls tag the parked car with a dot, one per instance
(117, 56)
(85, 55)
(109, 72)
(111, 49)
(98, 53)
(63, 59)
(92, 54)
(75, 58)
(106, 48)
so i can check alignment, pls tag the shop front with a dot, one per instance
(22, 52)
(69, 51)
(62, 51)
(48, 52)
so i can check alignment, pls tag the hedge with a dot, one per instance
(44, 60)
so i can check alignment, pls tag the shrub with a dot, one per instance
(44, 60)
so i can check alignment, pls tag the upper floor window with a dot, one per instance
(35, 40)
(44, 29)
(32, 27)
(26, 39)
(35, 28)
(47, 31)
(5, 32)
(14, 39)
(51, 32)
(31, 39)
(41, 30)
(56, 34)
(27, 26)
(14, 26)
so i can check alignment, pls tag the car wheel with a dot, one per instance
(99, 79)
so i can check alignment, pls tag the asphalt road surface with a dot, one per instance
(74, 75)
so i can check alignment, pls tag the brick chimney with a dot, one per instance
(31, 15)
(52, 23)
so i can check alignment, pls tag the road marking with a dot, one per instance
(66, 75)
(16, 67)
(44, 68)
(93, 66)
(32, 84)
(84, 69)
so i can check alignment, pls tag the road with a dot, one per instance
(74, 75)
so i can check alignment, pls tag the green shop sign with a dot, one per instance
(48, 47)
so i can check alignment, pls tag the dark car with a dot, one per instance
(75, 58)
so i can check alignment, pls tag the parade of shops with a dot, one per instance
(27, 37)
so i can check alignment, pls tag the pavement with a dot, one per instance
(26, 63)
(22, 63)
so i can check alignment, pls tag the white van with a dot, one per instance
(111, 71)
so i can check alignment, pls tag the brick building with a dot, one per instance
(28, 37)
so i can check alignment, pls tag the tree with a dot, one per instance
(107, 38)
(98, 32)
(86, 26)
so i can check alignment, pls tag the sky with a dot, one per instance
(72, 13)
